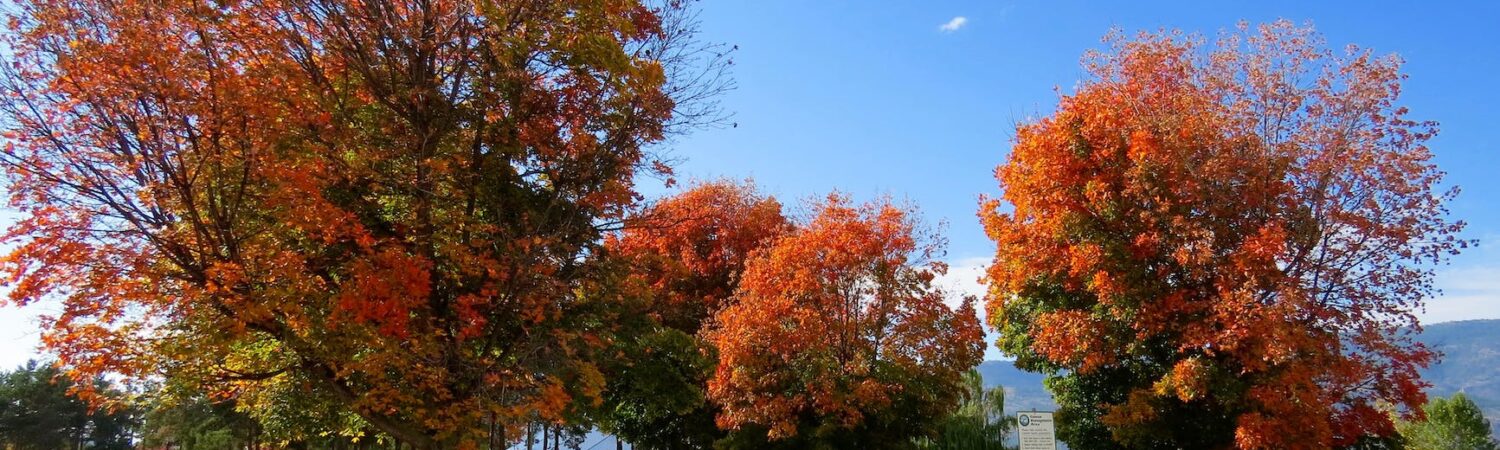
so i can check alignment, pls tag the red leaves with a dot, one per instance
(818, 312)
(1204, 200)
(690, 249)
(387, 290)
(359, 186)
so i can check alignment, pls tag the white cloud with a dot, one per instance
(953, 24)
(1471, 292)
(962, 280)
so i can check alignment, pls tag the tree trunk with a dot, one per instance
(498, 439)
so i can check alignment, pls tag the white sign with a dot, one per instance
(1036, 431)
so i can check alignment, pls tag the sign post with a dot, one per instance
(1036, 431)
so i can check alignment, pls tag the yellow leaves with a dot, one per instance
(551, 400)
(1188, 380)
(591, 384)
(648, 74)
(1140, 407)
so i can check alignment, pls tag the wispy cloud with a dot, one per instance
(1471, 292)
(962, 280)
(953, 24)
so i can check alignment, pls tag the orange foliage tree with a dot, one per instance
(836, 335)
(690, 249)
(684, 255)
(1212, 247)
(389, 204)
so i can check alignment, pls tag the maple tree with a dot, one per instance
(837, 336)
(689, 249)
(390, 204)
(1212, 246)
(683, 255)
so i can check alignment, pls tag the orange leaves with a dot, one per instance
(552, 401)
(387, 290)
(690, 249)
(1256, 431)
(399, 224)
(831, 321)
(1083, 260)
(1193, 206)
(1258, 253)
(1146, 149)
(1073, 339)
(1188, 380)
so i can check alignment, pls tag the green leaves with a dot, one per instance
(1452, 423)
(978, 423)
(38, 413)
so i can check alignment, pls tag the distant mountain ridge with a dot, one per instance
(1470, 364)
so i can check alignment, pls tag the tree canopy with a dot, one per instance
(390, 204)
(1451, 423)
(1214, 245)
(838, 336)
(685, 255)
(37, 412)
(337, 223)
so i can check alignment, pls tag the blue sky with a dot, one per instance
(876, 98)
(880, 99)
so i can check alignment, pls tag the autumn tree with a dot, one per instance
(1216, 246)
(390, 204)
(690, 249)
(837, 337)
(684, 255)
